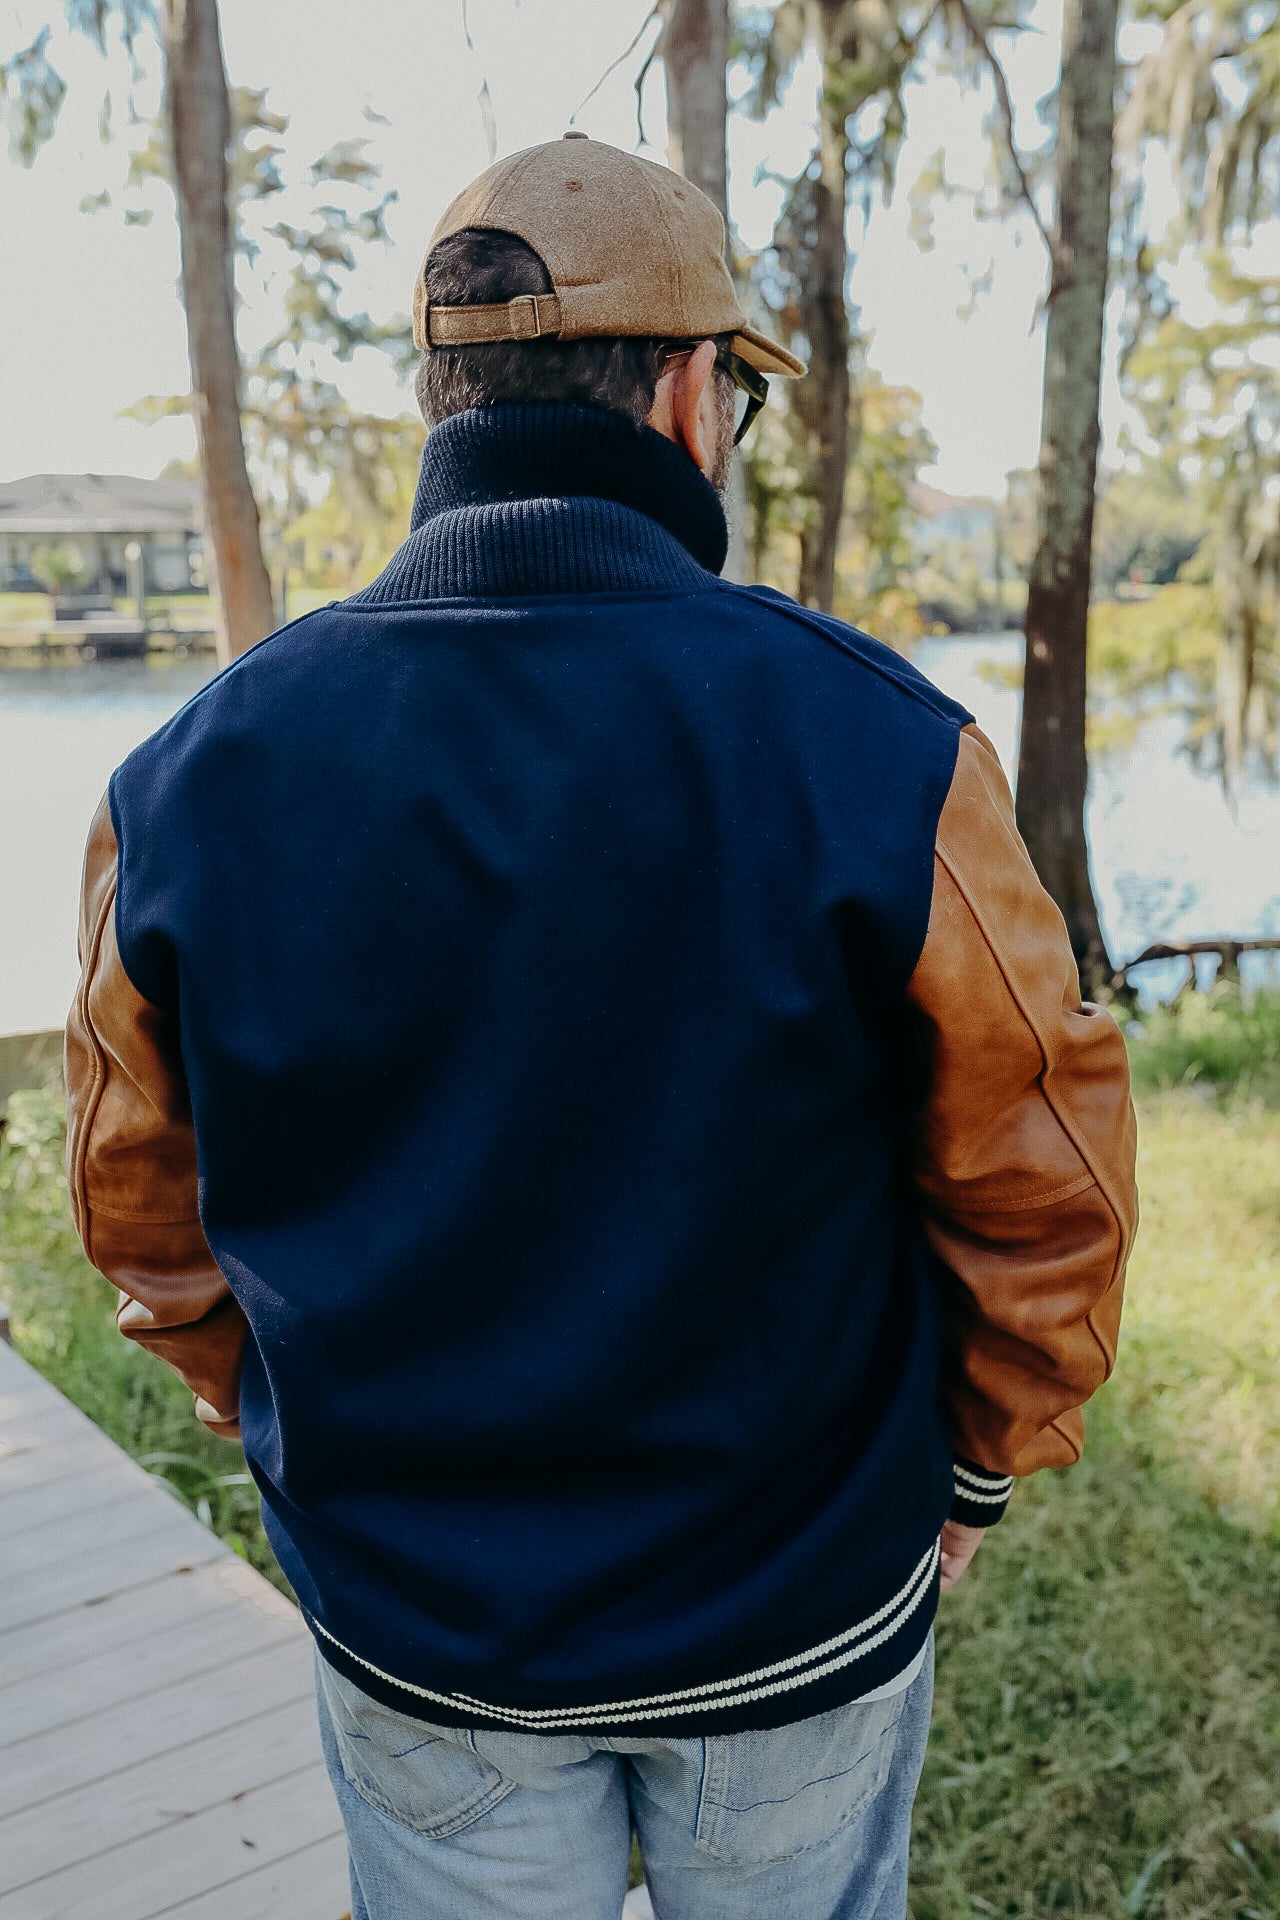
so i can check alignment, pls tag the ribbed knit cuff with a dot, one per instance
(981, 1497)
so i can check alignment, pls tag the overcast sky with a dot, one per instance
(89, 317)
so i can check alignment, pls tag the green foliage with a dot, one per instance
(94, 17)
(1153, 657)
(1208, 94)
(31, 96)
(253, 162)
(1207, 101)
(334, 484)
(872, 64)
(31, 88)
(64, 1324)
(59, 567)
(1158, 656)
(308, 450)
(873, 568)
(1107, 1735)
(1216, 1040)
(1148, 526)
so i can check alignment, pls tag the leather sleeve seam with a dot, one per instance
(1054, 1198)
(1059, 1113)
(150, 1219)
(80, 1171)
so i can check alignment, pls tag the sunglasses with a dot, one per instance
(751, 389)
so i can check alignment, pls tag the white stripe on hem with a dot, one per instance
(1004, 1484)
(716, 1694)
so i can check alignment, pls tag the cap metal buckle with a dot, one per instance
(529, 300)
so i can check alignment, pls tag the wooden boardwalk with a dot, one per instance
(158, 1743)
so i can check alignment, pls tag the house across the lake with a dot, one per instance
(74, 530)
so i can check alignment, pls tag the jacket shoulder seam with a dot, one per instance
(801, 617)
(209, 687)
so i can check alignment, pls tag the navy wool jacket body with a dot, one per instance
(536, 926)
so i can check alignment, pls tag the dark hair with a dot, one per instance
(480, 266)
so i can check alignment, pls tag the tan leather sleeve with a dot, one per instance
(131, 1162)
(1026, 1150)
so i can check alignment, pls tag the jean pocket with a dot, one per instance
(771, 1795)
(427, 1778)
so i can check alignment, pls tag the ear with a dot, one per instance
(685, 409)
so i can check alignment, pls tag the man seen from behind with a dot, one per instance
(574, 1067)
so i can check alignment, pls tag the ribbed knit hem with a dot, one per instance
(981, 1496)
(839, 1667)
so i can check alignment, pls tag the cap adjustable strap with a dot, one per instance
(527, 317)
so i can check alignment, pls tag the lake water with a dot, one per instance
(1170, 859)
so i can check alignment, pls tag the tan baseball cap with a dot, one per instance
(631, 248)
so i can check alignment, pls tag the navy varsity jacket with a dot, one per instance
(573, 1065)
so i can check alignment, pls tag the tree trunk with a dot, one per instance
(823, 398)
(695, 54)
(199, 120)
(1052, 764)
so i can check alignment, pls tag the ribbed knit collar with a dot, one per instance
(547, 499)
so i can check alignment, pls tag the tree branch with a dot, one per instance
(484, 99)
(978, 35)
(654, 13)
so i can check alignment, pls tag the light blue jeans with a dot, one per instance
(806, 1822)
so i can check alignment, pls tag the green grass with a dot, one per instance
(1215, 1040)
(1107, 1739)
(1107, 1735)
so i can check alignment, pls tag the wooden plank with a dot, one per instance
(169, 1543)
(311, 1885)
(140, 1880)
(158, 1743)
(54, 1650)
(50, 1764)
(186, 1651)
(158, 1794)
(37, 1417)
(38, 1463)
(21, 1394)
(107, 1482)
(35, 1403)
(139, 1511)
(44, 1423)
(128, 1620)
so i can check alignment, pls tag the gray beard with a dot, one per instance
(719, 475)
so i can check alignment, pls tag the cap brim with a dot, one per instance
(765, 355)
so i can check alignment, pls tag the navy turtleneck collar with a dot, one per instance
(547, 498)
(547, 451)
